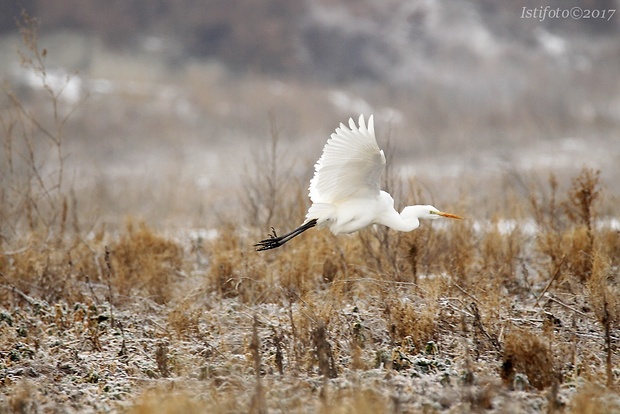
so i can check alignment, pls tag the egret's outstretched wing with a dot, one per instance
(350, 166)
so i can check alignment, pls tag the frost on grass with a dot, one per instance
(81, 360)
(518, 312)
(505, 330)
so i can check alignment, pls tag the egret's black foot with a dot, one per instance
(275, 241)
(271, 243)
(268, 244)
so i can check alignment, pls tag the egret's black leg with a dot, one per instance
(276, 241)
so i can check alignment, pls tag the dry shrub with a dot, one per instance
(63, 271)
(548, 244)
(359, 401)
(145, 262)
(416, 247)
(225, 254)
(379, 251)
(322, 334)
(499, 254)
(567, 233)
(269, 189)
(594, 399)
(42, 250)
(436, 250)
(300, 266)
(569, 255)
(609, 245)
(323, 352)
(41, 273)
(603, 292)
(415, 322)
(581, 213)
(184, 318)
(545, 206)
(577, 252)
(159, 401)
(227, 400)
(236, 270)
(526, 352)
(582, 196)
(24, 400)
(484, 325)
(459, 250)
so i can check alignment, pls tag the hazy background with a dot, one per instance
(172, 99)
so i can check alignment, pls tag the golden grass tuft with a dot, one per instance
(499, 257)
(526, 352)
(168, 402)
(145, 262)
(48, 274)
(603, 292)
(24, 400)
(413, 322)
(359, 401)
(184, 319)
(594, 399)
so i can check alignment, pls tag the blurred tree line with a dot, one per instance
(260, 34)
(343, 38)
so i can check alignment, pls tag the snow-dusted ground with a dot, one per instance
(173, 148)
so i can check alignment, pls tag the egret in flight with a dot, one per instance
(345, 190)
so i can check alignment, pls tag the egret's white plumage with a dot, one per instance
(345, 190)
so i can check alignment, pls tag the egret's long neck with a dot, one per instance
(400, 222)
(410, 217)
(408, 223)
(407, 220)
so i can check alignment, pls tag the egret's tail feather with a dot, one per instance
(275, 241)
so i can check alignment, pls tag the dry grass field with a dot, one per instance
(515, 309)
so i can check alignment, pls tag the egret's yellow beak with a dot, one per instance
(448, 215)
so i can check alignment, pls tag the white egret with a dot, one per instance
(345, 190)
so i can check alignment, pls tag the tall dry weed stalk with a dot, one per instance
(603, 292)
(499, 255)
(325, 358)
(580, 210)
(566, 227)
(257, 405)
(582, 196)
(34, 194)
(267, 186)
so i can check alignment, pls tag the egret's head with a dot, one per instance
(426, 212)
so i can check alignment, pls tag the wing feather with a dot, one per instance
(350, 166)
